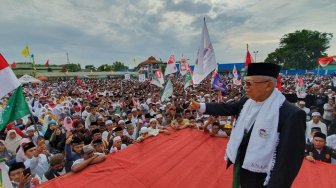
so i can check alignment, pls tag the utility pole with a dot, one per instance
(255, 55)
(68, 61)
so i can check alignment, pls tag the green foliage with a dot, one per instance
(300, 50)
(118, 66)
(72, 67)
(104, 68)
(90, 67)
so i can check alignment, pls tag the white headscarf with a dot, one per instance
(12, 144)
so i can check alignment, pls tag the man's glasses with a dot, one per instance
(249, 83)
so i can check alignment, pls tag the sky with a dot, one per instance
(104, 31)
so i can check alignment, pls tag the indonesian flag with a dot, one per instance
(324, 61)
(171, 66)
(8, 80)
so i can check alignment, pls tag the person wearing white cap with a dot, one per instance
(31, 134)
(109, 127)
(117, 145)
(315, 122)
(144, 134)
(159, 119)
(328, 113)
(153, 128)
(302, 105)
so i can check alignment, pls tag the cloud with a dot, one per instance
(107, 31)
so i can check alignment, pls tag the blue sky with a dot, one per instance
(101, 32)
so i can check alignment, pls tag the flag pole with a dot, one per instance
(34, 123)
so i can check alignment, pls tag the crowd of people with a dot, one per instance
(78, 123)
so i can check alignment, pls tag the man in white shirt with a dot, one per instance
(36, 161)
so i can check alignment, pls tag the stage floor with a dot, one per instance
(186, 159)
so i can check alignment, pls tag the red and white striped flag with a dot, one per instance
(324, 61)
(8, 80)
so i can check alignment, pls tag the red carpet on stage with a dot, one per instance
(186, 158)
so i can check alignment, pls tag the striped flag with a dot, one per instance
(8, 79)
(324, 61)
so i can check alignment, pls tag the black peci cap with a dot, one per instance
(263, 69)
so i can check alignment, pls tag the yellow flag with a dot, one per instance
(25, 52)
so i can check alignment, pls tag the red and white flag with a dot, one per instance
(324, 61)
(8, 80)
(171, 65)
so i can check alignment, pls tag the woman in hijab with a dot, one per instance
(20, 155)
(52, 125)
(5, 154)
(12, 141)
(67, 123)
(18, 131)
(57, 140)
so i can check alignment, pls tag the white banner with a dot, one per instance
(142, 77)
(127, 76)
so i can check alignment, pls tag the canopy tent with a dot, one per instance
(186, 158)
(25, 79)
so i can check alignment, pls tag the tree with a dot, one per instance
(90, 67)
(118, 66)
(105, 68)
(300, 49)
(71, 67)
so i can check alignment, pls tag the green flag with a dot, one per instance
(188, 80)
(167, 92)
(15, 109)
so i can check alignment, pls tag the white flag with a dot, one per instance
(171, 66)
(168, 91)
(206, 59)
